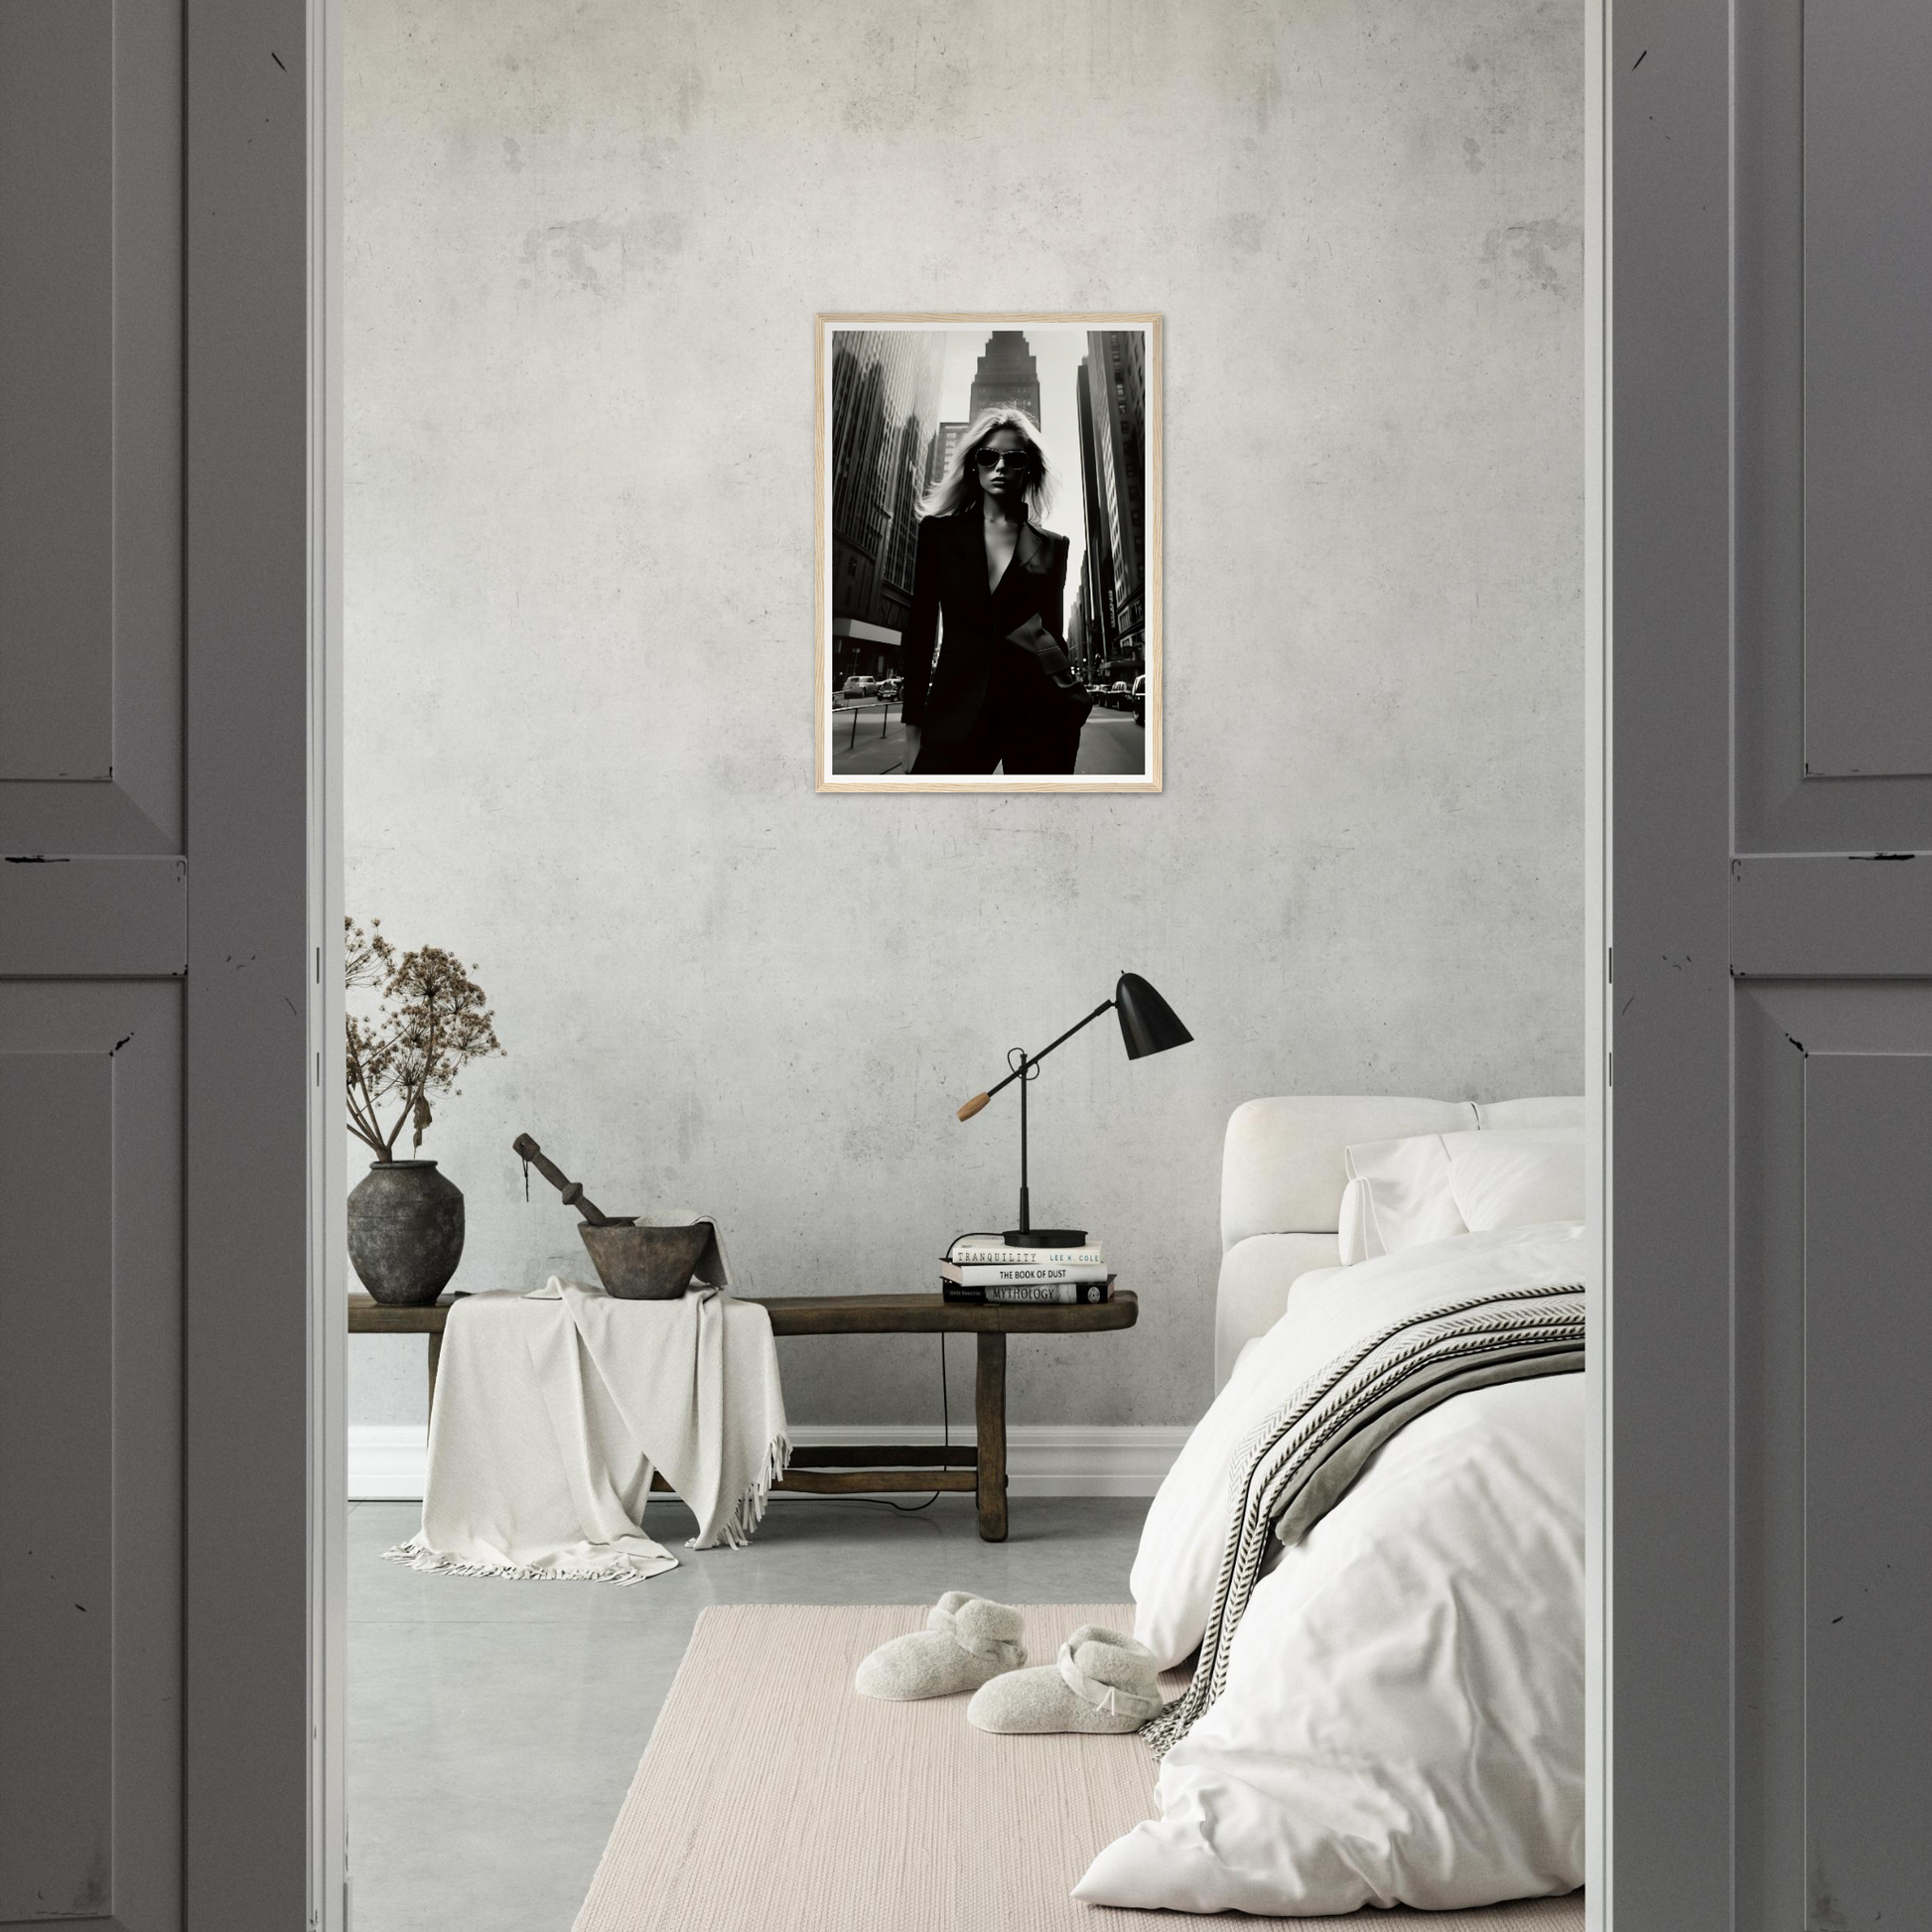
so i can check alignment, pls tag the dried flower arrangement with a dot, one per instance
(430, 1021)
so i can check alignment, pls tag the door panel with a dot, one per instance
(1771, 914)
(93, 953)
(1867, 1514)
(1804, 504)
(1868, 388)
(1846, 917)
(90, 426)
(167, 268)
(57, 345)
(111, 919)
(1829, 954)
(91, 1336)
(56, 1507)
(1833, 1524)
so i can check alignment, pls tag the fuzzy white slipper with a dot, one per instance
(1103, 1680)
(967, 1641)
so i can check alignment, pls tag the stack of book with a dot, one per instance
(984, 1267)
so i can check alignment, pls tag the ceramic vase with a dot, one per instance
(405, 1231)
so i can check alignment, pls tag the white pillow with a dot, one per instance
(1354, 1230)
(1403, 1198)
(1428, 1186)
(1518, 1176)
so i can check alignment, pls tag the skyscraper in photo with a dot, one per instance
(1007, 375)
(1112, 404)
(944, 442)
(1097, 566)
(1076, 630)
(885, 410)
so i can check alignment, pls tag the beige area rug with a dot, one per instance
(773, 1798)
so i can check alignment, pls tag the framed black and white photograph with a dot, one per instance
(988, 553)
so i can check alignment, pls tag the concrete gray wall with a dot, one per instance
(584, 249)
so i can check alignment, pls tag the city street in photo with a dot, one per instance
(869, 741)
(989, 530)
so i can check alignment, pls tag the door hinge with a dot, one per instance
(1609, 1069)
(1609, 965)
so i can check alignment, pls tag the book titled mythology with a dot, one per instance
(1063, 1294)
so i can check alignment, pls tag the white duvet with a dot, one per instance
(1403, 1722)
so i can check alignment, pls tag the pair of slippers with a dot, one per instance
(1102, 1681)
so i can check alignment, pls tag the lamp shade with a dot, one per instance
(1148, 1025)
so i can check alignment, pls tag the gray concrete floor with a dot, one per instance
(494, 1727)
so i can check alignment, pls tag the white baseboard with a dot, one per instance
(386, 1461)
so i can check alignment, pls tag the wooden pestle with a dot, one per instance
(571, 1190)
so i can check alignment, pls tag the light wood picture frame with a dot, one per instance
(895, 396)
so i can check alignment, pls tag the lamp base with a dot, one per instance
(1045, 1237)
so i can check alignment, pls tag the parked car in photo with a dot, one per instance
(859, 690)
(890, 688)
(1137, 699)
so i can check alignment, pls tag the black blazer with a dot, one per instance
(950, 577)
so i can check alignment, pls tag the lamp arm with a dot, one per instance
(1027, 1059)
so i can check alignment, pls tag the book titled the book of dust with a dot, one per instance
(1011, 1274)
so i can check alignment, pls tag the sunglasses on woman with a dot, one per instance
(992, 459)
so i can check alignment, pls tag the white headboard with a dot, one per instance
(1282, 1179)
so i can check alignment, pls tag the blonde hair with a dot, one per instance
(959, 488)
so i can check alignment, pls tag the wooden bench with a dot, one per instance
(835, 1470)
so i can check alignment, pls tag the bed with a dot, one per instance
(1283, 1174)
(1372, 1542)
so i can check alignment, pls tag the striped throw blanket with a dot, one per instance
(1298, 1462)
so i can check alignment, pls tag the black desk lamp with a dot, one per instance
(1148, 1025)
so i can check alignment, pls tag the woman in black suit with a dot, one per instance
(990, 585)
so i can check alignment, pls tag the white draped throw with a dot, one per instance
(554, 1408)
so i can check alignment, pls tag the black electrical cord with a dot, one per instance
(945, 1437)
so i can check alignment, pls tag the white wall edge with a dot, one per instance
(386, 1461)
(1599, 501)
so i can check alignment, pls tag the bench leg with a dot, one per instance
(992, 1419)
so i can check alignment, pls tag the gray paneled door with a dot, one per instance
(1770, 1463)
(157, 1002)
(93, 943)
